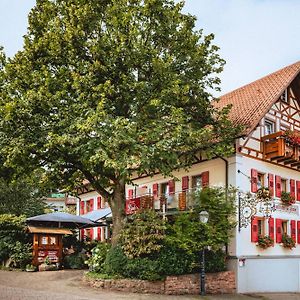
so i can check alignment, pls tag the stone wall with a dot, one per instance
(216, 283)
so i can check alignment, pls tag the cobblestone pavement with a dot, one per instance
(66, 285)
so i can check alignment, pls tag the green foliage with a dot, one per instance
(115, 262)
(215, 261)
(189, 234)
(21, 254)
(21, 197)
(98, 257)
(106, 89)
(15, 244)
(172, 260)
(74, 261)
(143, 234)
(288, 242)
(265, 242)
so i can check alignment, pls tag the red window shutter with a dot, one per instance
(91, 204)
(271, 228)
(155, 189)
(81, 207)
(292, 189)
(82, 234)
(293, 230)
(278, 186)
(298, 232)
(254, 180)
(278, 230)
(171, 184)
(205, 178)
(271, 184)
(298, 190)
(99, 233)
(254, 229)
(98, 202)
(130, 193)
(185, 183)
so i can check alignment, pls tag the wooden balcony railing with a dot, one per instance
(179, 201)
(277, 148)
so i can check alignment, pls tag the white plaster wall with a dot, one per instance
(216, 168)
(86, 197)
(244, 247)
(279, 274)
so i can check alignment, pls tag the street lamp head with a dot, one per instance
(203, 216)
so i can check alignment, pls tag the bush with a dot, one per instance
(115, 261)
(74, 261)
(143, 234)
(98, 257)
(143, 268)
(215, 261)
(175, 261)
(15, 244)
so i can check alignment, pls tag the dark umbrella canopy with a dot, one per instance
(62, 220)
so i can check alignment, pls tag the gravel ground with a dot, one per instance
(66, 285)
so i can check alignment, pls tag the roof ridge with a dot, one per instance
(261, 78)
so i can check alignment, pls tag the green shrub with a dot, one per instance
(21, 254)
(143, 234)
(115, 262)
(98, 257)
(143, 268)
(15, 244)
(175, 261)
(74, 261)
(215, 261)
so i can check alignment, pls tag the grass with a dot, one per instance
(95, 275)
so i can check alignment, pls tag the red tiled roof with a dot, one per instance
(252, 101)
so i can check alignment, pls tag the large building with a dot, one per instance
(267, 155)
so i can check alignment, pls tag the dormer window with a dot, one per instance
(269, 127)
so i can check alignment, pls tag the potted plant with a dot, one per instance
(288, 242)
(265, 241)
(292, 137)
(30, 268)
(287, 199)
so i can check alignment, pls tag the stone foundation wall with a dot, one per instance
(216, 283)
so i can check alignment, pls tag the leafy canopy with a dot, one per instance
(106, 89)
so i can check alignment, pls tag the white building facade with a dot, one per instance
(267, 155)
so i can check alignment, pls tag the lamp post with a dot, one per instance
(203, 218)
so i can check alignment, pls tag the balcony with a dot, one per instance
(167, 204)
(278, 148)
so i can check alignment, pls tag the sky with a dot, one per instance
(256, 37)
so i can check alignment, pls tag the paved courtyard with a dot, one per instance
(66, 285)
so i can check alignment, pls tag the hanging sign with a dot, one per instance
(132, 205)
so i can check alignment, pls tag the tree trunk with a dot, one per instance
(117, 205)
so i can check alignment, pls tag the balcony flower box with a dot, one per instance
(288, 242)
(287, 199)
(265, 242)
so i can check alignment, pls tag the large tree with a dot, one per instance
(108, 89)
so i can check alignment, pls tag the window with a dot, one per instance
(283, 185)
(269, 127)
(197, 182)
(260, 180)
(164, 189)
(261, 227)
(284, 227)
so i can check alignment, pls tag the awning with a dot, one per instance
(99, 215)
(60, 219)
(34, 229)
